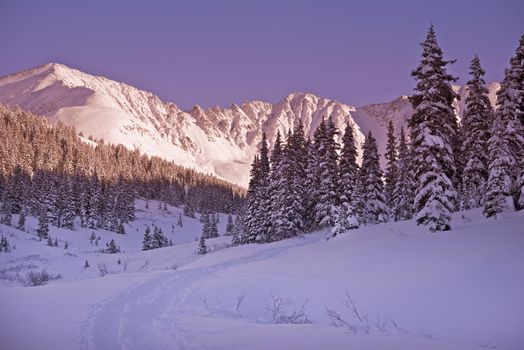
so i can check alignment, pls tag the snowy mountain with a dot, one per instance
(220, 141)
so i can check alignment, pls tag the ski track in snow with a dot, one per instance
(150, 316)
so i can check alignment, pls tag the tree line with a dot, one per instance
(438, 166)
(55, 174)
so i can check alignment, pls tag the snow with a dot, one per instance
(460, 289)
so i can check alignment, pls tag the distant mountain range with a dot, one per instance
(219, 141)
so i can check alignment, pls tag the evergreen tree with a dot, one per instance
(213, 226)
(202, 247)
(147, 241)
(111, 247)
(179, 222)
(391, 173)
(86, 264)
(21, 220)
(403, 193)
(43, 226)
(326, 158)
(371, 185)
(230, 225)
(476, 123)
(348, 174)
(238, 230)
(49, 241)
(433, 128)
(503, 157)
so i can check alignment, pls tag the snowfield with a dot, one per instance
(392, 286)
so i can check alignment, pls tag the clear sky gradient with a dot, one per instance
(220, 52)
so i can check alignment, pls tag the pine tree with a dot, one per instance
(476, 123)
(92, 238)
(348, 174)
(66, 245)
(238, 230)
(403, 193)
(503, 150)
(213, 227)
(111, 247)
(49, 241)
(202, 247)
(433, 128)
(230, 226)
(21, 220)
(371, 185)
(86, 264)
(43, 226)
(391, 173)
(147, 241)
(327, 199)
(55, 244)
(179, 222)
(517, 69)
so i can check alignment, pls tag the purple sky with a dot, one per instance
(219, 52)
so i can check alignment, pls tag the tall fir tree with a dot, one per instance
(476, 124)
(348, 175)
(326, 162)
(403, 193)
(374, 209)
(506, 144)
(391, 174)
(433, 130)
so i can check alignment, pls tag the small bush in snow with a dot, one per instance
(33, 278)
(4, 245)
(358, 321)
(277, 313)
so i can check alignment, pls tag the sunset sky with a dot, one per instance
(220, 52)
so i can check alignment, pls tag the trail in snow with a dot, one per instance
(148, 316)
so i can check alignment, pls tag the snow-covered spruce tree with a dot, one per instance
(257, 211)
(147, 243)
(517, 67)
(505, 148)
(391, 174)
(202, 247)
(403, 193)
(21, 220)
(213, 226)
(274, 189)
(311, 182)
(287, 206)
(43, 226)
(326, 195)
(238, 229)
(371, 185)
(111, 247)
(180, 223)
(433, 128)
(230, 225)
(348, 174)
(476, 124)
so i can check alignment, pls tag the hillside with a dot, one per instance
(456, 290)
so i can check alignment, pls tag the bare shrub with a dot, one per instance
(33, 278)
(277, 313)
(103, 269)
(358, 321)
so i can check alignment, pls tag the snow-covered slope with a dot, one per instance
(220, 141)
(454, 290)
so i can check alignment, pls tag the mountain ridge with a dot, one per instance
(219, 140)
